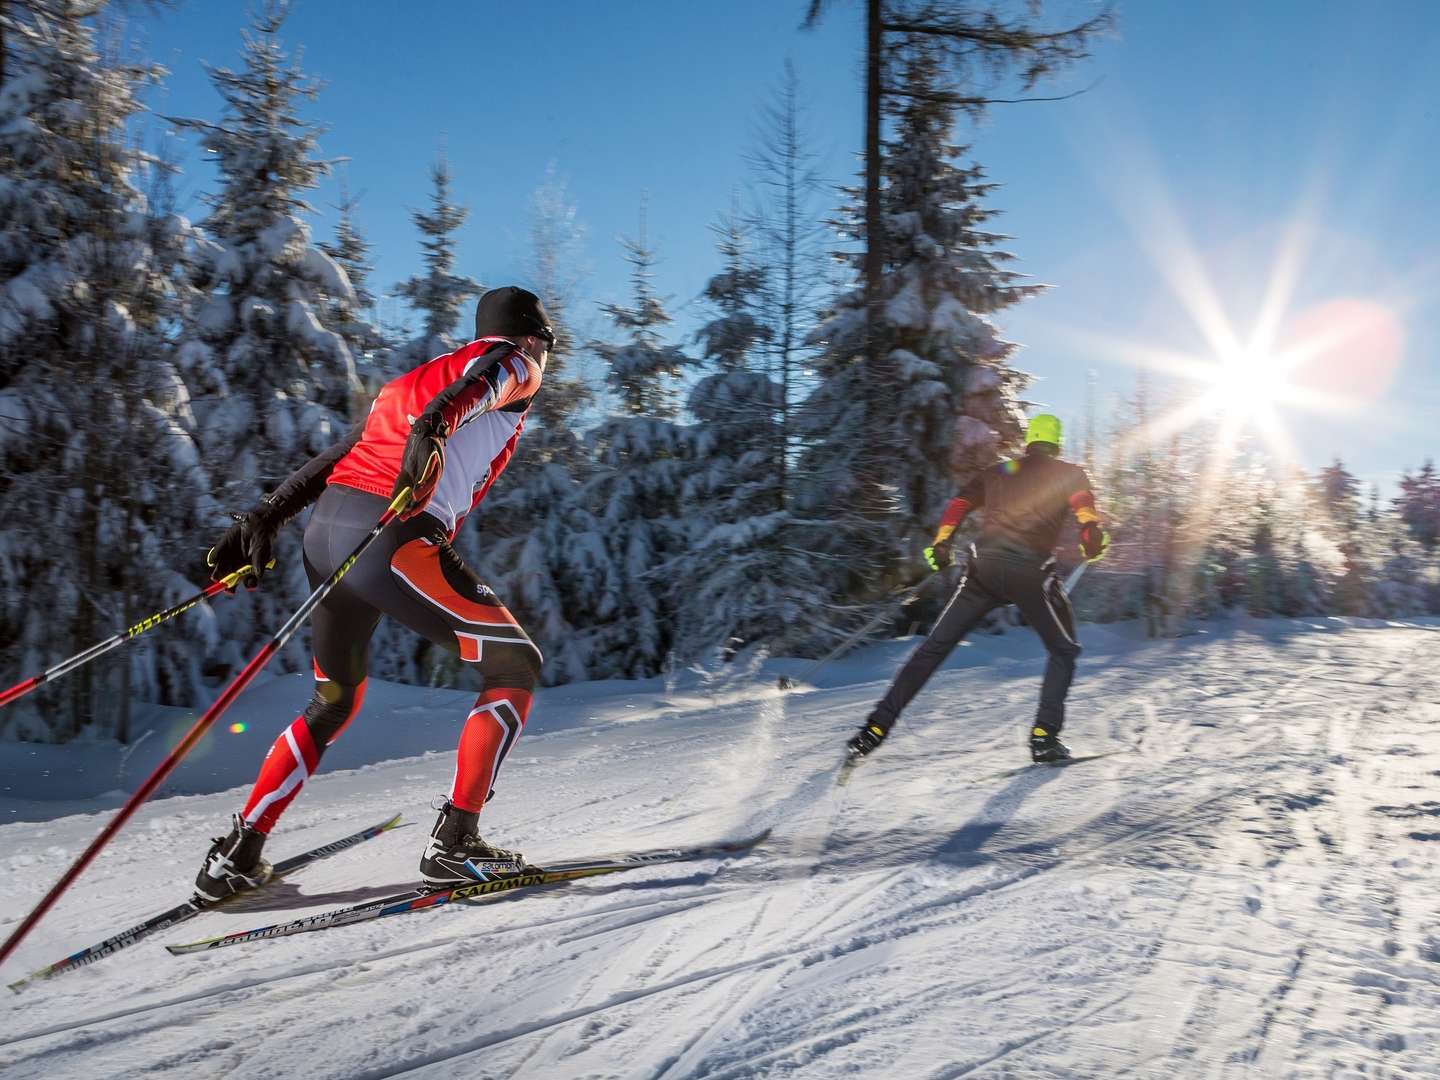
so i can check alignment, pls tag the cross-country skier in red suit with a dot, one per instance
(447, 429)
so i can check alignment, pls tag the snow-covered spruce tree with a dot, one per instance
(1418, 505)
(1294, 558)
(742, 580)
(274, 385)
(351, 252)
(439, 295)
(947, 405)
(634, 490)
(537, 537)
(106, 496)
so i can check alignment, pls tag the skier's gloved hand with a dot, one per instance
(939, 556)
(421, 465)
(866, 739)
(249, 542)
(1094, 541)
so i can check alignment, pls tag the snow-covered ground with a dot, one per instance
(1252, 890)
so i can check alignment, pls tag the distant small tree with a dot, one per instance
(439, 295)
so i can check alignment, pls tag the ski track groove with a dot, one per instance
(328, 967)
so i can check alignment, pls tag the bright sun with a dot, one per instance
(1247, 382)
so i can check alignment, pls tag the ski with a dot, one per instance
(1019, 769)
(195, 906)
(422, 900)
(847, 767)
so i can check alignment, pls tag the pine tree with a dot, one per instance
(742, 580)
(275, 384)
(945, 405)
(1419, 505)
(791, 246)
(643, 371)
(97, 463)
(635, 488)
(439, 295)
(351, 252)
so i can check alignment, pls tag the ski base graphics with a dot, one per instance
(195, 906)
(421, 900)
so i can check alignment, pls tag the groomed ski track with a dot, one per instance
(1250, 892)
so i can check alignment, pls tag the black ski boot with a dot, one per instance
(868, 738)
(233, 863)
(1045, 748)
(456, 854)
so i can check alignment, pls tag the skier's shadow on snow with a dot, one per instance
(967, 845)
(972, 844)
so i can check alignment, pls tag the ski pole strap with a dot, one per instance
(197, 731)
(94, 652)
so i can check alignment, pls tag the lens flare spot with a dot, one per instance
(1346, 349)
(238, 728)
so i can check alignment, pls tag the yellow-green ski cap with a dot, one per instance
(1043, 428)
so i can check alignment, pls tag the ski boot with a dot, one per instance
(1046, 748)
(233, 863)
(870, 736)
(457, 855)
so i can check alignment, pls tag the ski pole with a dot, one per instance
(80, 659)
(201, 726)
(787, 683)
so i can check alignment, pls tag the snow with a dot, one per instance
(1247, 891)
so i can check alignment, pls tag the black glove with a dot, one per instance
(866, 739)
(249, 542)
(1093, 540)
(421, 466)
(939, 556)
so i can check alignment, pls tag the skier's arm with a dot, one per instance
(959, 508)
(250, 541)
(939, 554)
(1093, 537)
(307, 483)
(497, 378)
(503, 376)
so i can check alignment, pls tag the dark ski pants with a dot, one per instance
(412, 574)
(993, 579)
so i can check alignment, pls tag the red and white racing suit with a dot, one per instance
(480, 394)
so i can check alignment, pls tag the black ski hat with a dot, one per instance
(512, 312)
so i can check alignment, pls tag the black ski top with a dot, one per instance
(1025, 502)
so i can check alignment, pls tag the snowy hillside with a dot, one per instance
(1249, 891)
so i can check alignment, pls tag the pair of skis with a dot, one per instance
(404, 903)
(853, 760)
(428, 900)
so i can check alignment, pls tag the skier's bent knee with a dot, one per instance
(331, 708)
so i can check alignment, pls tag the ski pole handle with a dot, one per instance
(197, 731)
(130, 633)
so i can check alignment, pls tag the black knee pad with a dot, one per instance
(331, 708)
(512, 667)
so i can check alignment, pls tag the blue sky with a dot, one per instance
(1219, 138)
